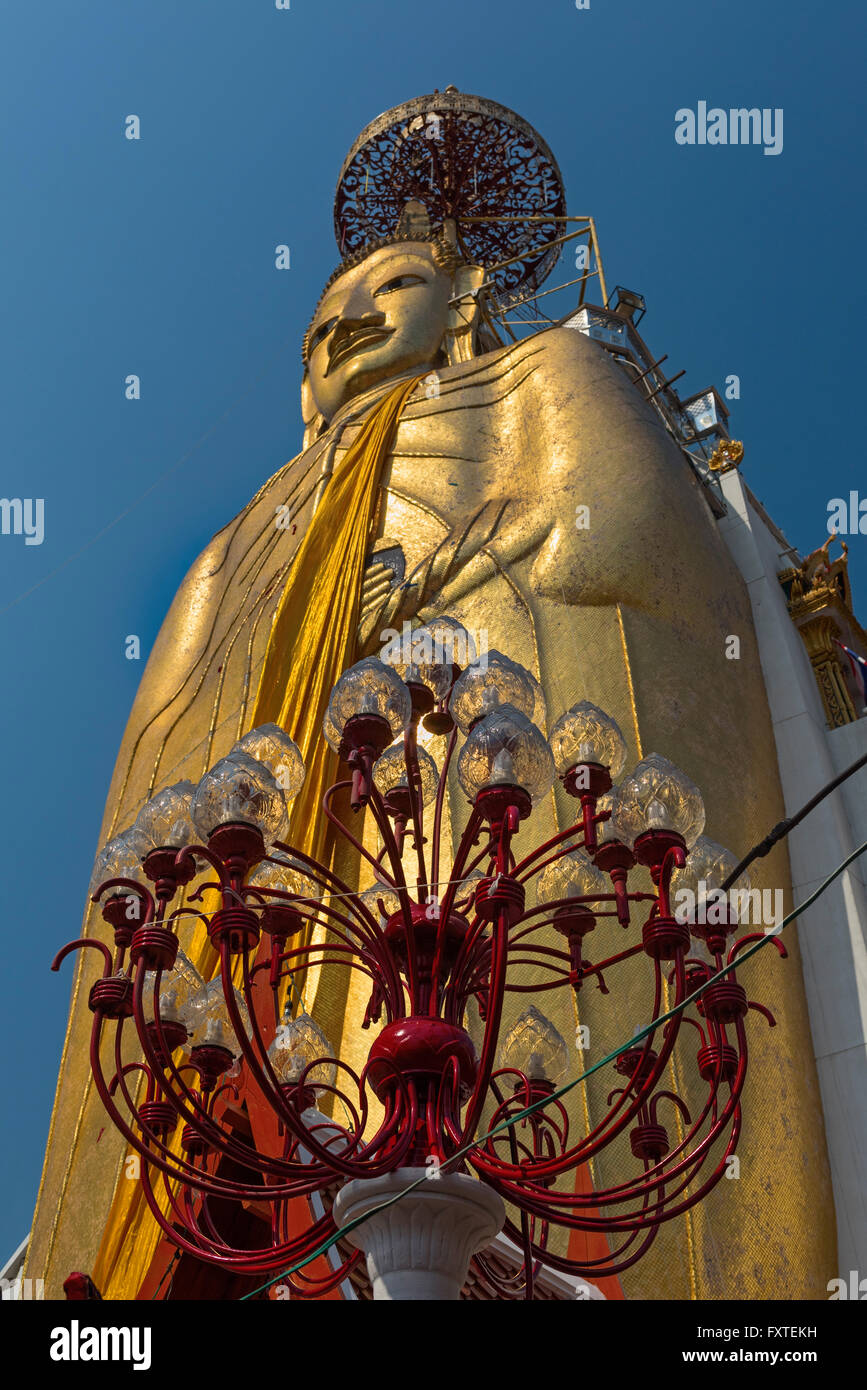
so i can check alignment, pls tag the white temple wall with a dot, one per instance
(833, 933)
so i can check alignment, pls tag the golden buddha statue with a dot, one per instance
(530, 492)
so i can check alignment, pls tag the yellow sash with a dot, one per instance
(312, 641)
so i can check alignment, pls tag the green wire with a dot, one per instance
(564, 1090)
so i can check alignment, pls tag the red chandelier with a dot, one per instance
(429, 940)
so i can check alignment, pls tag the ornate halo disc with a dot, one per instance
(465, 158)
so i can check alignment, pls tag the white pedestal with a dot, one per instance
(420, 1247)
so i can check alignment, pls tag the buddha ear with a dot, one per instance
(314, 423)
(463, 319)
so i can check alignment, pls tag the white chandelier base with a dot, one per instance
(420, 1247)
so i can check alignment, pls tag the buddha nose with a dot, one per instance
(347, 325)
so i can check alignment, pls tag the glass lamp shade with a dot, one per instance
(330, 729)
(657, 796)
(368, 687)
(489, 684)
(452, 643)
(298, 1042)
(605, 831)
(239, 789)
(707, 867)
(165, 822)
(286, 876)
(120, 857)
(372, 897)
(533, 1046)
(281, 755)
(207, 1018)
(586, 734)
(389, 772)
(177, 988)
(505, 749)
(573, 875)
(427, 654)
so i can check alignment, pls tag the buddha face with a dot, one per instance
(380, 319)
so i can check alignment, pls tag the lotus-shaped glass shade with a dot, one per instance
(452, 643)
(177, 987)
(573, 875)
(298, 1042)
(505, 749)
(368, 687)
(489, 684)
(605, 830)
(281, 755)
(372, 897)
(165, 822)
(120, 857)
(657, 796)
(390, 772)
(707, 867)
(207, 1018)
(286, 876)
(427, 654)
(586, 734)
(330, 729)
(533, 1046)
(239, 789)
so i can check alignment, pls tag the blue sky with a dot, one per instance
(156, 257)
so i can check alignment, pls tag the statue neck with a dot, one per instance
(365, 400)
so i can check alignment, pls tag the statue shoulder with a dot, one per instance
(558, 349)
(555, 354)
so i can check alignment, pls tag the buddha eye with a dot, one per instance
(321, 333)
(400, 282)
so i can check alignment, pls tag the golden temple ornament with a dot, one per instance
(727, 455)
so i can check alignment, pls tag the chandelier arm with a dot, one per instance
(416, 806)
(523, 866)
(369, 946)
(324, 1286)
(268, 1082)
(604, 1267)
(605, 1131)
(183, 1173)
(467, 840)
(135, 887)
(662, 1173)
(198, 1117)
(383, 824)
(526, 1243)
(121, 1071)
(390, 1124)
(242, 1261)
(499, 962)
(347, 834)
(436, 839)
(266, 1078)
(320, 874)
